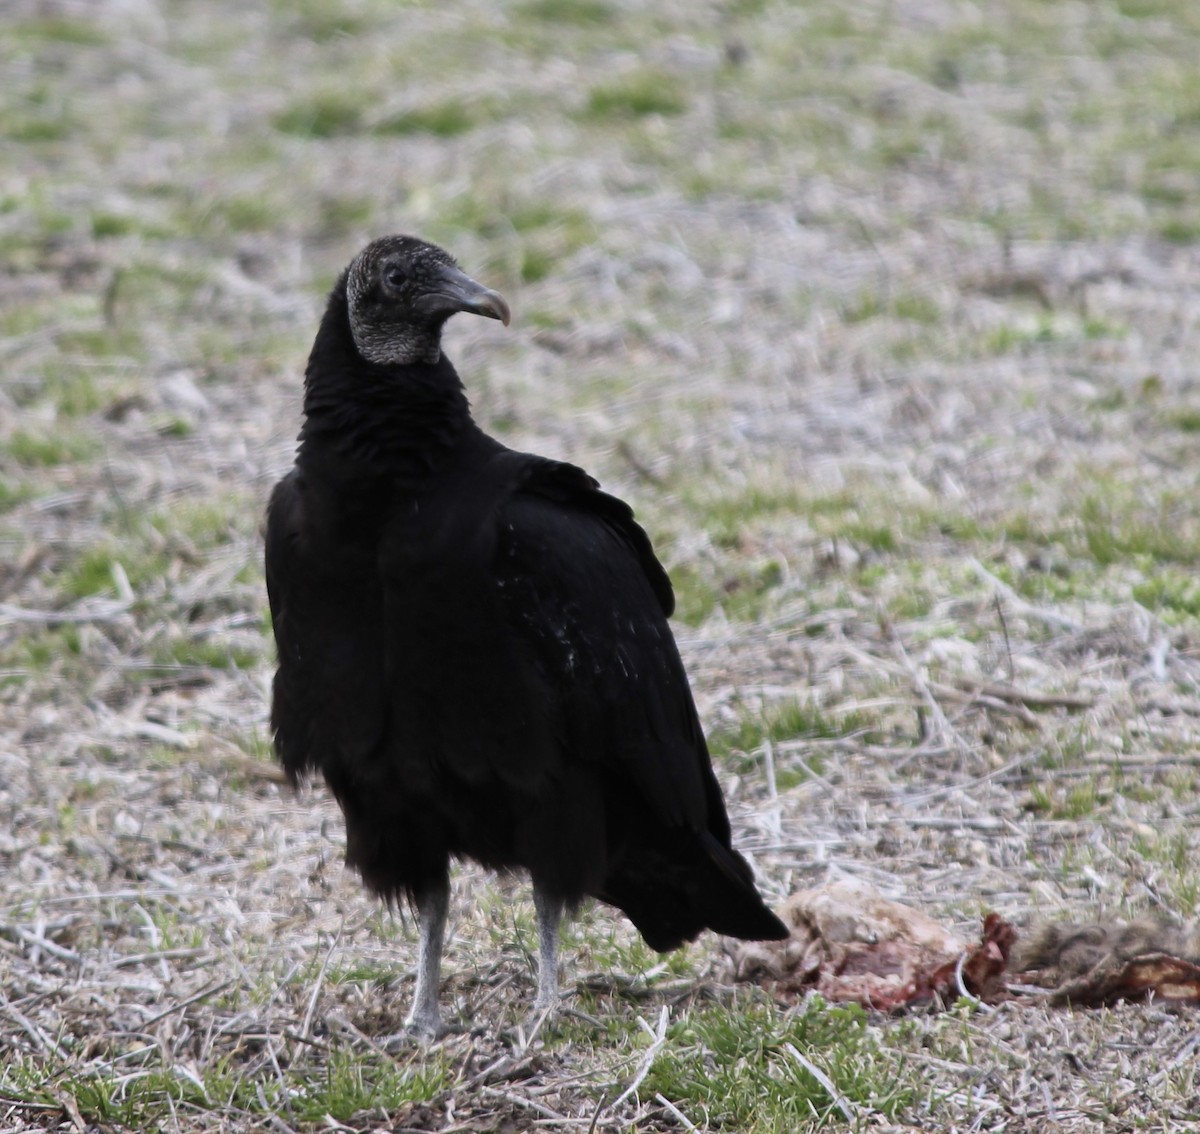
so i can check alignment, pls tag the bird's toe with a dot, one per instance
(419, 1029)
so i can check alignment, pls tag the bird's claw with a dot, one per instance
(420, 1030)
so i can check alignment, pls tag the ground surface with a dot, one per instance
(886, 316)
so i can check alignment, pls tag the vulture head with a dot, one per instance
(400, 291)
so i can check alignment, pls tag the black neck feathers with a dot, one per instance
(395, 421)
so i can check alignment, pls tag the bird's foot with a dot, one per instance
(420, 1028)
(544, 1004)
(541, 1015)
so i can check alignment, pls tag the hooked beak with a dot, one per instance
(456, 291)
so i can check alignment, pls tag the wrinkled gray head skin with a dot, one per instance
(400, 291)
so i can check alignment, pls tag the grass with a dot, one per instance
(530, 239)
(322, 22)
(584, 13)
(635, 96)
(1118, 527)
(1186, 419)
(76, 393)
(736, 1068)
(12, 493)
(188, 651)
(344, 1089)
(911, 307)
(45, 449)
(243, 213)
(46, 651)
(774, 724)
(150, 548)
(92, 572)
(1174, 594)
(700, 593)
(443, 120)
(328, 115)
(848, 302)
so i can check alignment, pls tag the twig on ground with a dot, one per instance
(43, 1042)
(178, 1006)
(103, 610)
(962, 987)
(659, 1038)
(972, 696)
(523, 1041)
(527, 1104)
(944, 731)
(70, 1105)
(40, 941)
(132, 960)
(674, 1111)
(1023, 606)
(1031, 699)
(306, 1027)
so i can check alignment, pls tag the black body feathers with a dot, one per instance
(473, 642)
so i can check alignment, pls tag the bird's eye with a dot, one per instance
(395, 276)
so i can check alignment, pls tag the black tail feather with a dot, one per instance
(673, 894)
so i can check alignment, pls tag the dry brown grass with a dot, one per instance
(884, 315)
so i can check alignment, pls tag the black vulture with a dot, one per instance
(474, 649)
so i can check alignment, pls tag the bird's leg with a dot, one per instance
(549, 913)
(424, 1019)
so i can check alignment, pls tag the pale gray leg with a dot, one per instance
(549, 914)
(424, 1020)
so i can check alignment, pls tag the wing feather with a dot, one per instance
(328, 707)
(588, 601)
